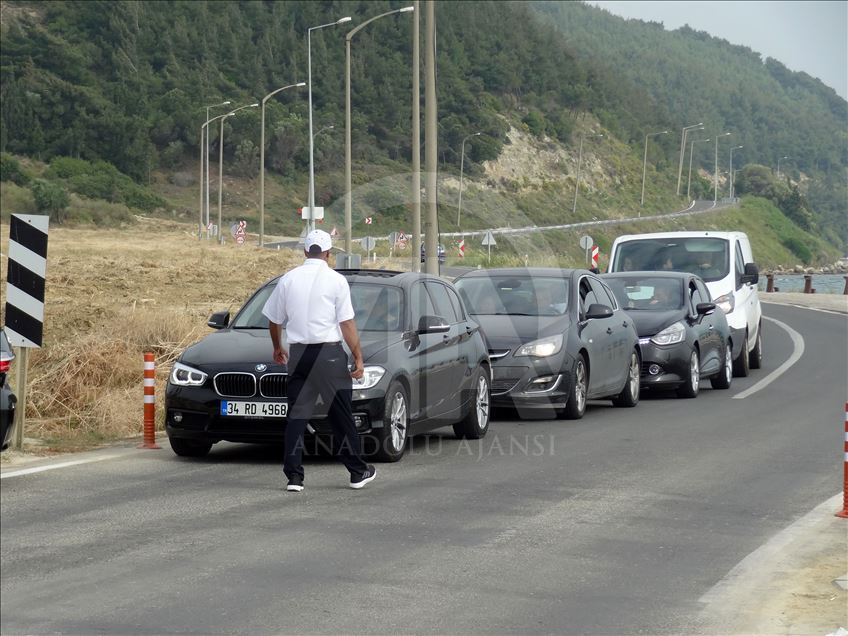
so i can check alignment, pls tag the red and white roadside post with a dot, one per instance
(844, 512)
(595, 256)
(149, 402)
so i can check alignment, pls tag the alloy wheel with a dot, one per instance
(482, 402)
(398, 421)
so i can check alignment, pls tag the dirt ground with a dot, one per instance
(110, 296)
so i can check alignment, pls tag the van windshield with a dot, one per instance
(709, 258)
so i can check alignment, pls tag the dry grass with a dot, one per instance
(112, 295)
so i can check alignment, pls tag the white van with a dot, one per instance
(724, 261)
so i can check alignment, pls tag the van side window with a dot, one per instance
(740, 266)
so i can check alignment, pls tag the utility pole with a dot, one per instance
(431, 225)
(416, 139)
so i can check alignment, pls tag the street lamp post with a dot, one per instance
(221, 166)
(262, 162)
(778, 165)
(684, 133)
(691, 150)
(730, 171)
(311, 137)
(226, 103)
(461, 167)
(348, 177)
(204, 169)
(715, 172)
(205, 128)
(645, 164)
(579, 161)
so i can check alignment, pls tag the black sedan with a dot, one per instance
(682, 337)
(426, 366)
(7, 396)
(556, 338)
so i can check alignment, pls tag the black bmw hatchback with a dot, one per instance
(683, 339)
(426, 366)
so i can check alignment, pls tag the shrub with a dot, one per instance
(798, 248)
(51, 198)
(11, 170)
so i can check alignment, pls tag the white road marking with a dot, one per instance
(797, 352)
(762, 560)
(41, 469)
(833, 312)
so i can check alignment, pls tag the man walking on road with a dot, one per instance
(312, 303)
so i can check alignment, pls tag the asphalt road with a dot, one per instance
(617, 523)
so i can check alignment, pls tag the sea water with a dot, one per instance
(822, 283)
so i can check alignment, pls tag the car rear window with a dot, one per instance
(516, 295)
(705, 256)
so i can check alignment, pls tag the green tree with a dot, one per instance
(51, 198)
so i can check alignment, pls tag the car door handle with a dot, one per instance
(609, 330)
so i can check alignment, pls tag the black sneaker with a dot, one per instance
(295, 484)
(368, 476)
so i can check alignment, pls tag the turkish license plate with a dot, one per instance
(253, 409)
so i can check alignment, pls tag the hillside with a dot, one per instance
(127, 83)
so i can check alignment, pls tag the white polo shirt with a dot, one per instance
(309, 302)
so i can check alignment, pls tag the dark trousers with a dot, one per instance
(320, 369)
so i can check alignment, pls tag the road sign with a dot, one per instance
(25, 279)
(489, 238)
(586, 242)
(595, 255)
(369, 243)
(393, 237)
(318, 213)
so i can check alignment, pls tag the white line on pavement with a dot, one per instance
(764, 559)
(798, 351)
(41, 469)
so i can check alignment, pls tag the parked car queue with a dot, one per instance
(444, 354)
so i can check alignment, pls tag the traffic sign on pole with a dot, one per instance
(586, 242)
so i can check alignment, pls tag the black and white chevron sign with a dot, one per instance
(25, 280)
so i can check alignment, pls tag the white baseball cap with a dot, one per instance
(319, 238)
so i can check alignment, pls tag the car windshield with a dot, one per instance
(647, 293)
(707, 257)
(515, 295)
(251, 316)
(377, 308)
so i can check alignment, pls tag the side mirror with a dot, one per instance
(433, 324)
(597, 310)
(751, 275)
(219, 320)
(705, 309)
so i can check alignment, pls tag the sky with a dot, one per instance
(810, 36)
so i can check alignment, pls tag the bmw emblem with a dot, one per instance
(261, 367)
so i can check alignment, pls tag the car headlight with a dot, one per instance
(183, 375)
(541, 348)
(370, 378)
(726, 302)
(670, 335)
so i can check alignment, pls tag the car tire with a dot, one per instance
(741, 366)
(475, 425)
(755, 360)
(724, 377)
(189, 447)
(578, 392)
(629, 396)
(391, 438)
(689, 389)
